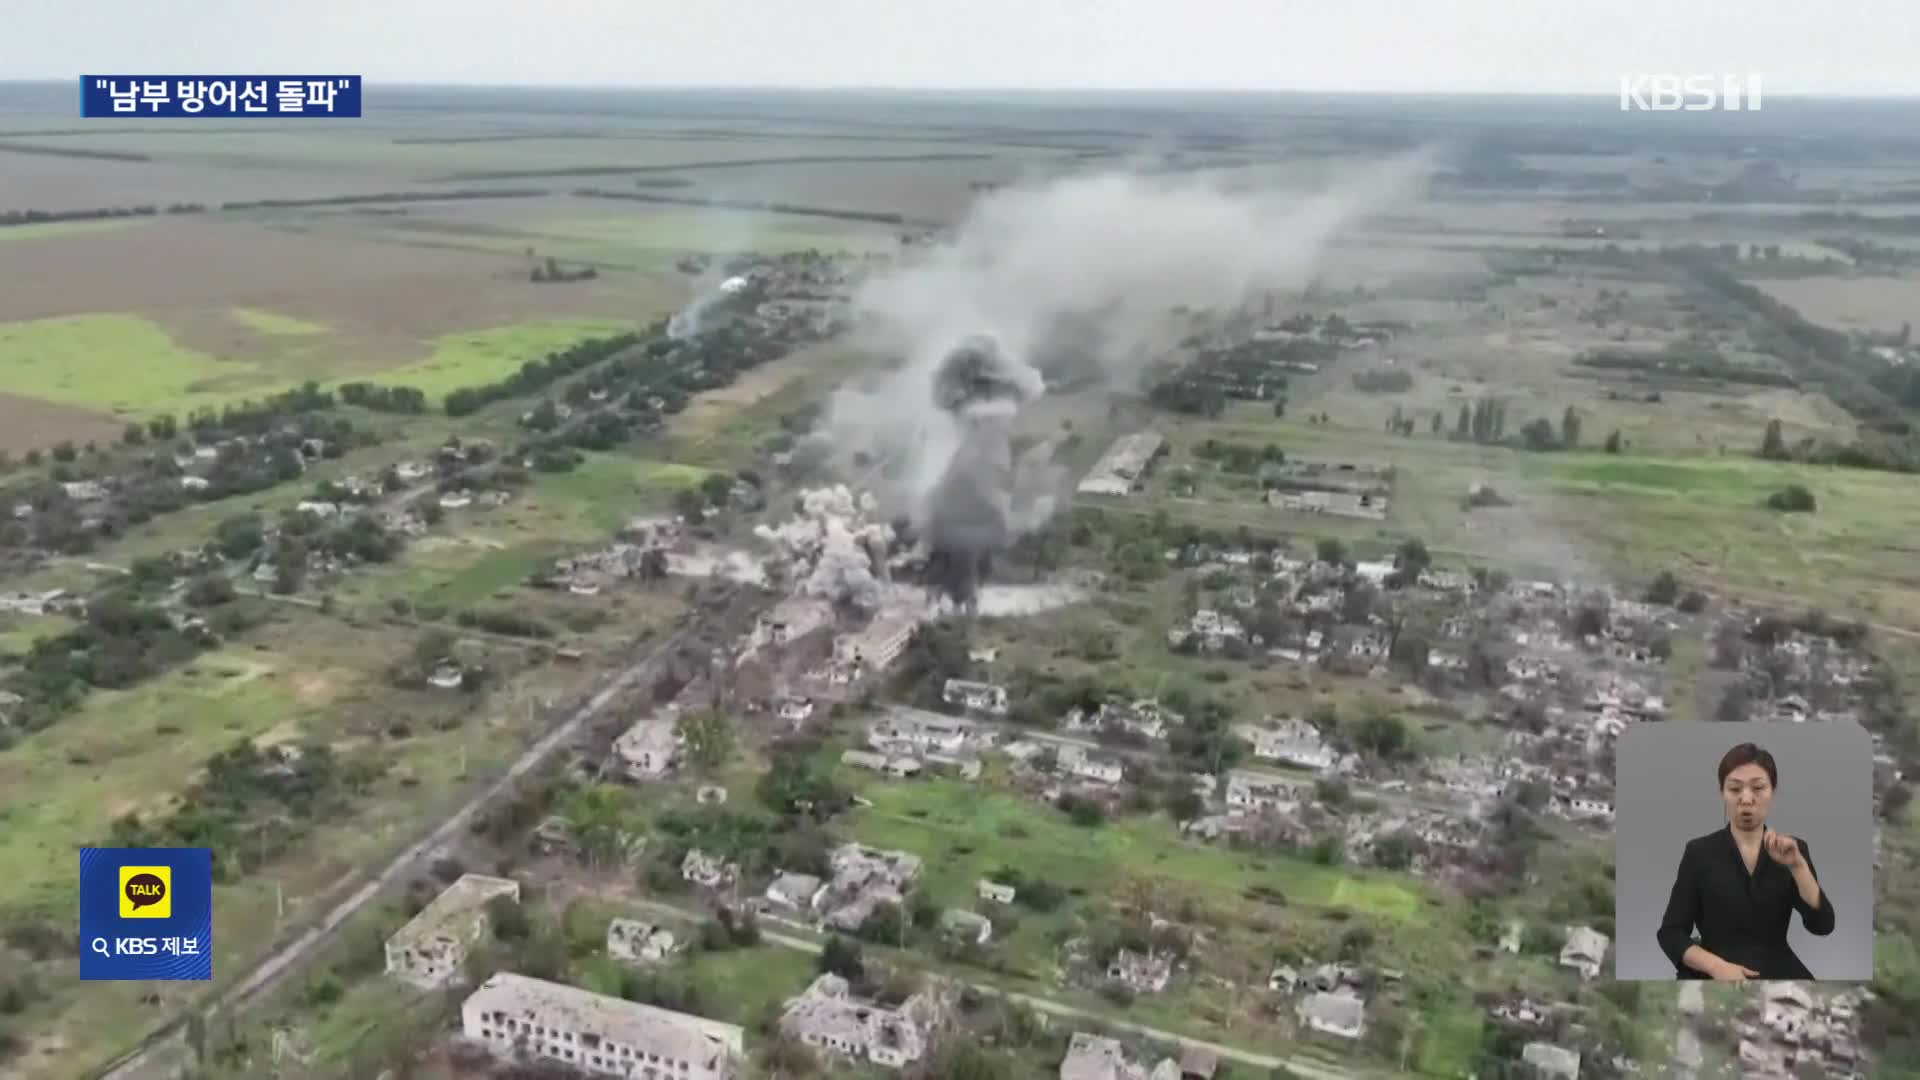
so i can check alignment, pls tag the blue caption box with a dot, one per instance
(219, 95)
(146, 913)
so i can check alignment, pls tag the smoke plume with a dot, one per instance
(834, 545)
(1077, 277)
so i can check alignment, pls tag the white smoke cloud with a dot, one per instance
(834, 544)
(1122, 248)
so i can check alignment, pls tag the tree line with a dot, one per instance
(1825, 355)
(539, 373)
(103, 213)
(877, 216)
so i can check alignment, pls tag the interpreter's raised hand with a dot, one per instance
(1782, 849)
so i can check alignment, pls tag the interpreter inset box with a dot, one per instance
(1743, 851)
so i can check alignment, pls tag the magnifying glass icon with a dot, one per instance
(100, 946)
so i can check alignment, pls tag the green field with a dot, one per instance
(19, 632)
(965, 832)
(48, 229)
(67, 784)
(471, 358)
(130, 365)
(117, 363)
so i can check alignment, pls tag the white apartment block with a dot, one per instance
(519, 1018)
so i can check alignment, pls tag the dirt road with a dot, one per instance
(165, 1053)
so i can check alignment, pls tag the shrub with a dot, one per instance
(1792, 499)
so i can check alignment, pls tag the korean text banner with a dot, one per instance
(146, 913)
(219, 95)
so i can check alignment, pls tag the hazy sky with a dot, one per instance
(1563, 46)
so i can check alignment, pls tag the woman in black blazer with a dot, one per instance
(1740, 886)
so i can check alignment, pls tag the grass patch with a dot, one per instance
(740, 985)
(19, 632)
(492, 572)
(130, 365)
(66, 784)
(472, 358)
(1450, 1040)
(964, 832)
(66, 228)
(607, 489)
(275, 324)
(121, 363)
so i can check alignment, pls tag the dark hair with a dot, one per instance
(1749, 754)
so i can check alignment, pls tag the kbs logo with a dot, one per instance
(146, 892)
(1689, 93)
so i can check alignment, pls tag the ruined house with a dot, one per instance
(995, 893)
(935, 737)
(1144, 717)
(1341, 1015)
(1208, 631)
(1585, 951)
(795, 892)
(1096, 1057)
(1552, 1062)
(427, 952)
(976, 696)
(1251, 792)
(1143, 973)
(828, 1018)
(707, 870)
(863, 880)
(967, 926)
(649, 749)
(638, 942)
(1290, 741)
(1122, 468)
(1076, 761)
(875, 647)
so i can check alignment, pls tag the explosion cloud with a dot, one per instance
(1079, 275)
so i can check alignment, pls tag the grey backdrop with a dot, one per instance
(1666, 793)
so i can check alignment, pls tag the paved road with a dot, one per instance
(165, 1052)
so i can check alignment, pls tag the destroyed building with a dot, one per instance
(864, 879)
(1097, 1057)
(649, 749)
(1289, 741)
(1142, 973)
(429, 950)
(1122, 469)
(1585, 951)
(976, 696)
(829, 1018)
(638, 942)
(521, 1018)
(1342, 1015)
